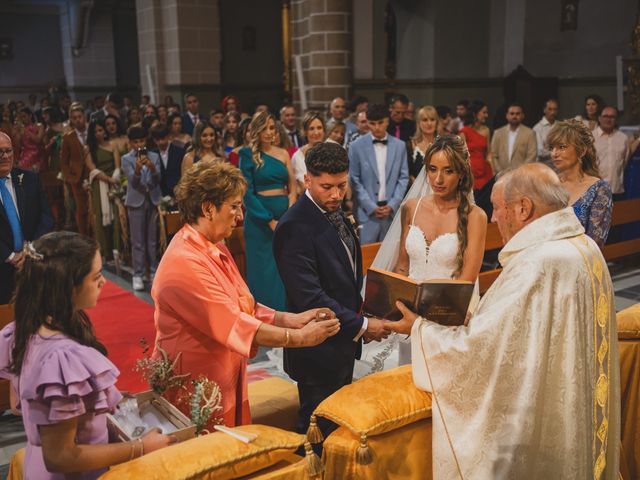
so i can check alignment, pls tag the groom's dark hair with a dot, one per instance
(326, 158)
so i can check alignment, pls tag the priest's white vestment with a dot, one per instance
(530, 388)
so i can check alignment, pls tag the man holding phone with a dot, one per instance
(142, 169)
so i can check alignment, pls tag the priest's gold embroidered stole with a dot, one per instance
(602, 302)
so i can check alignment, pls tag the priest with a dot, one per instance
(529, 387)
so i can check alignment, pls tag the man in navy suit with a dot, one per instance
(379, 175)
(170, 159)
(191, 116)
(24, 215)
(318, 257)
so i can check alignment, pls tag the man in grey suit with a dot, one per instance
(142, 169)
(514, 144)
(379, 176)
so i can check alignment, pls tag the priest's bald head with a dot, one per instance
(525, 194)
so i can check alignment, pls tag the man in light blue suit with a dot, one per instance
(379, 176)
(142, 169)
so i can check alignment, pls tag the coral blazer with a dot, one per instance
(203, 309)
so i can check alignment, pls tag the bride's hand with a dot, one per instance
(405, 323)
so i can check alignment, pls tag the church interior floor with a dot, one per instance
(624, 273)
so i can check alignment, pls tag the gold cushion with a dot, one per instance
(16, 466)
(274, 402)
(629, 322)
(214, 456)
(377, 403)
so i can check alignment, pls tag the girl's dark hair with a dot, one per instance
(120, 129)
(44, 290)
(92, 141)
(596, 98)
(455, 149)
(472, 110)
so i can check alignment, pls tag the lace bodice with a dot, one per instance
(435, 260)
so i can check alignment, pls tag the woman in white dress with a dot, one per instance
(441, 235)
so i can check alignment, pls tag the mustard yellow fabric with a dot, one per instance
(629, 351)
(404, 453)
(15, 467)
(292, 467)
(383, 401)
(629, 322)
(274, 401)
(215, 456)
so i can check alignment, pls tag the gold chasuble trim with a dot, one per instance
(602, 301)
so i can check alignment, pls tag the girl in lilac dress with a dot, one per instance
(62, 382)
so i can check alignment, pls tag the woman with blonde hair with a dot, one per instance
(574, 155)
(271, 191)
(427, 121)
(203, 146)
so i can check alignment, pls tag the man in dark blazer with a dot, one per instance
(171, 157)
(24, 215)
(399, 127)
(319, 259)
(191, 116)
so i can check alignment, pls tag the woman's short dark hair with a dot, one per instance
(326, 158)
(596, 98)
(56, 265)
(208, 181)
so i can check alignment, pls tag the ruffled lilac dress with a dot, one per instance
(60, 379)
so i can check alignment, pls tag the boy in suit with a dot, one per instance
(142, 169)
(318, 256)
(379, 175)
(24, 215)
(191, 116)
(171, 157)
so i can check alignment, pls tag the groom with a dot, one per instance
(319, 260)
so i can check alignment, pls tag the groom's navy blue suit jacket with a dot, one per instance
(316, 271)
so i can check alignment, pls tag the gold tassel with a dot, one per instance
(314, 435)
(314, 465)
(364, 455)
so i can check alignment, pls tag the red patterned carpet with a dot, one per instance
(121, 320)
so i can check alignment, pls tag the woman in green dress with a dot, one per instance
(103, 163)
(271, 191)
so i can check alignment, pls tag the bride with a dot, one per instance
(439, 234)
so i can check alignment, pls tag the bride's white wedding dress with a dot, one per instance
(427, 260)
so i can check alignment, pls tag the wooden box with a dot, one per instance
(185, 429)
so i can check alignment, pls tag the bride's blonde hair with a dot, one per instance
(455, 149)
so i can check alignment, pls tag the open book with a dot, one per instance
(441, 300)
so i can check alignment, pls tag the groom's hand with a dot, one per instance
(376, 329)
